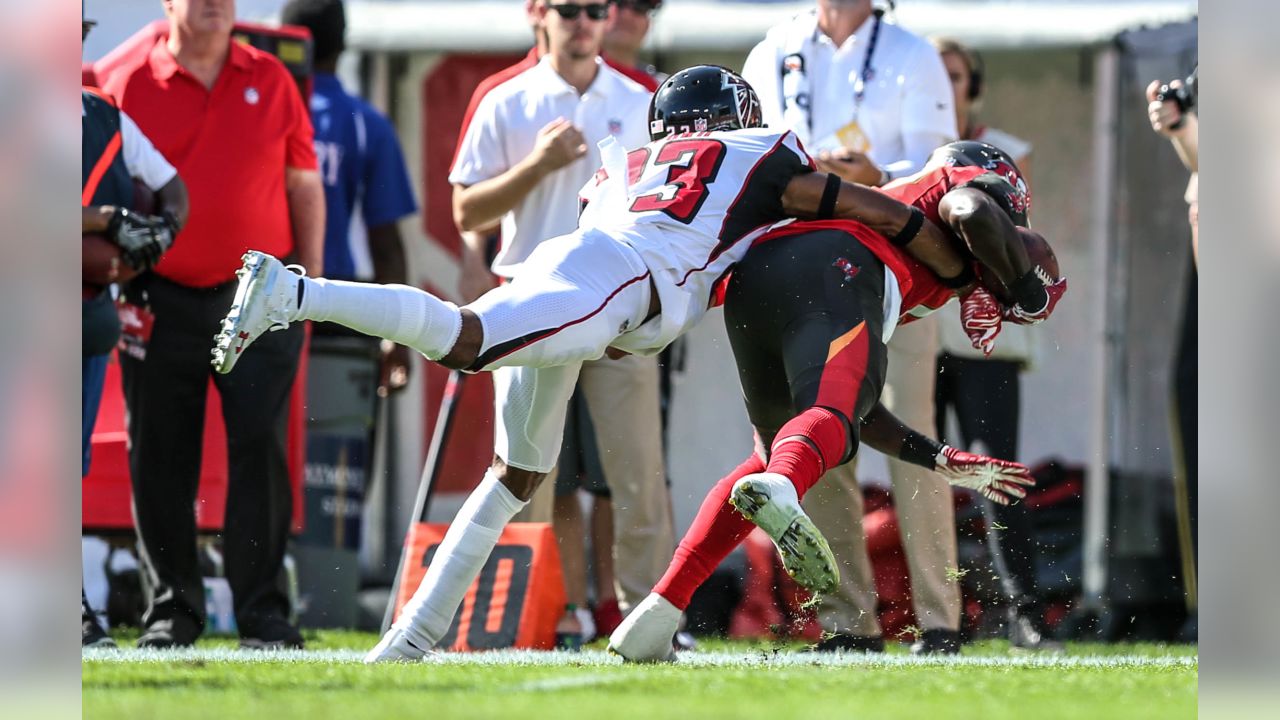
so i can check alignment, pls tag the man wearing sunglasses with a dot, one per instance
(625, 37)
(528, 147)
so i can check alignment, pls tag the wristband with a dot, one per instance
(920, 450)
(1029, 291)
(827, 206)
(912, 228)
(966, 276)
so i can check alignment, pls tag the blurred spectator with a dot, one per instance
(362, 168)
(625, 36)
(230, 118)
(1171, 109)
(984, 390)
(872, 101)
(528, 147)
(113, 153)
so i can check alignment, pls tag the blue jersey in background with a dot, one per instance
(365, 180)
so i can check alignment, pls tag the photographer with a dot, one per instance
(1171, 108)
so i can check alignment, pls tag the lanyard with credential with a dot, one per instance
(864, 75)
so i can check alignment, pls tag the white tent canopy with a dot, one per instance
(499, 25)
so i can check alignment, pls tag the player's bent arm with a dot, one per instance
(484, 203)
(883, 432)
(986, 228)
(803, 199)
(174, 202)
(1000, 481)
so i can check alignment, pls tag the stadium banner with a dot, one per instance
(514, 603)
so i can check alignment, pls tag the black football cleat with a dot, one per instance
(937, 642)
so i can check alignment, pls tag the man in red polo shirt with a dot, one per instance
(230, 118)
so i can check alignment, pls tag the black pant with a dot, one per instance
(805, 316)
(1186, 415)
(985, 397)
(165, 394)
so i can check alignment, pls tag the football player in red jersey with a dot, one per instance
(660, 226)
(809, 311)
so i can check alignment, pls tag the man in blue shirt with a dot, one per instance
(366, 185)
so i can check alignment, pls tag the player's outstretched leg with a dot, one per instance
(466, 547)
(715, 532)
(769, 500)
(272, 295)
(806, 446)
(645, 634)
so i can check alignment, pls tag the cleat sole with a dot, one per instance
(805, 554)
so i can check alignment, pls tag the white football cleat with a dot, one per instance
(645, 634)
(395, 646)
(769, 500)
(266, 299)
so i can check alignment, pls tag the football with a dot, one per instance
(100, 263)
(1038, 251)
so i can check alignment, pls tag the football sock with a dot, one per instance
(400, 313)
(463, 552)
(809, 444)
(715, 532)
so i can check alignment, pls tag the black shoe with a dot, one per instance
(271, 633)
(91, 632)
(843, 642)
(170, 633)
(937, 642)
(1024, 634)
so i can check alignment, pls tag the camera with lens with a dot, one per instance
(1184, 96)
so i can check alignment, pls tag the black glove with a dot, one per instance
(142, 239)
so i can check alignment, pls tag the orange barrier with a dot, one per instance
(515, 602)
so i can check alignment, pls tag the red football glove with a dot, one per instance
(980, 314)
(1019, 316)
(998, 480)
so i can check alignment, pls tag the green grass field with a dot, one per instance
(721, 680)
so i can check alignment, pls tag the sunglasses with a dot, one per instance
(642, 7)
(570, 11)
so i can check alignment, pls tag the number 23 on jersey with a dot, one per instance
(691, 162)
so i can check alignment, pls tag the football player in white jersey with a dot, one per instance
(660, 225)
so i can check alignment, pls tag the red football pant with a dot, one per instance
(810, 442)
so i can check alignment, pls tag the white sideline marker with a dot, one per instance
(599, 658)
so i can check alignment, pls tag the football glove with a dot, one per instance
(142, 239)
(1054, 291)
(980, 314)
(1000, 481)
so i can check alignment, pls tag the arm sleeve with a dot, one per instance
(806, 164)
(388, 194)
(928, 115)
(480, 153)
(300, 150)
(141, 157)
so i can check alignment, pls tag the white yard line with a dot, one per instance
(598, 658)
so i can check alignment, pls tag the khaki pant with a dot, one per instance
(922, 500)
(622, 396)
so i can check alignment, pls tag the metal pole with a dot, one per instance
(430, 471)
(1097, 480)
